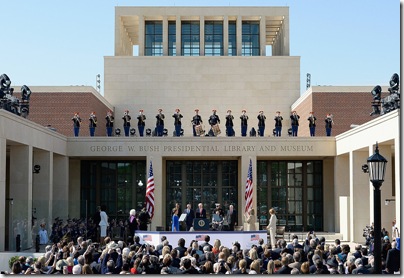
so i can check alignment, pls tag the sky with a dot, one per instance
(63, 43)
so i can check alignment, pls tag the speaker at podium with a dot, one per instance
(201, 224)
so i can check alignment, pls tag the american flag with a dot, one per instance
(200, 238)
(150, 192)
(147, 238)
(249, 189)
(255, 237)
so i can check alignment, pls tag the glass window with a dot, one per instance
(250, 38)
(206, 182)
(115, 184)
(172, 38)
(213, 38)
(294, 189)
(232, 50)
(190, 38)
(153, 38)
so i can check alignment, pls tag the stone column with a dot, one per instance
(239, 36)
(245, 163)
(74, 186)
(3, 197)
(165, 36)
(60, 204)
(141, 35)
(341, 190)
(21, 158)
(359, 193)
(202, 36)
(225, 35)
(42, 190)
(159, 212)
(262, 36)
(178, 36)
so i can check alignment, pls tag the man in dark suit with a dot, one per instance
(231, 217)
(206, 243)
(189, 221)
(285, 269)
(200, 212)
(393, 259)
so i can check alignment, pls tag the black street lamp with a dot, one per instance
(377, 169)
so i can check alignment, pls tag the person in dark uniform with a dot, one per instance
(177, 122)
(312, 124)
(278, 124)
(144, 219)
(126, 122)
(76, 124)
(328, 124)
(189, 221)
(93, 123)
(229, 124)
(213, 120)
(244, 124)
(160, 123)
(141, 122)
(261, 123)
(294, 120)
(110, 122)
(196, 120)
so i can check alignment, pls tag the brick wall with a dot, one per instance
(57, 109)
(347, 108)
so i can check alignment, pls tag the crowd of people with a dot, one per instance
(76, 251)
(197, 124)
(310, 256)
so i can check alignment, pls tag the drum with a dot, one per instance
(216, 129)
(198, 130)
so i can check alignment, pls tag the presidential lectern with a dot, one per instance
(201, 224)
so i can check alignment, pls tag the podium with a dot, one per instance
(201, 224)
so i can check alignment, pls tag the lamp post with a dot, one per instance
(377, 169)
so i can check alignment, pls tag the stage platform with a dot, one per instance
(245, 238)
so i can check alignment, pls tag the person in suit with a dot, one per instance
(93, 123)
(141, 118)
(126, 122)
(244, 123)
(189, 221)
(206, 243)
(110, 123)
(250, 219)
(160, 123)
(196, 120)
(312, 124)
(261, 123)
(232, 217)
(285, 269)
(393, 259)
(294, 120)
(229, 124)
(200, 212)
(278, 124)
(177, 122)
(76, 124)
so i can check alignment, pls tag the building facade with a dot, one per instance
(226, 58)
